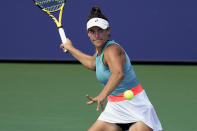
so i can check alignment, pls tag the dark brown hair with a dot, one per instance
(96, 12)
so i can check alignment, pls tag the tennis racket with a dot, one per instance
(53, 7)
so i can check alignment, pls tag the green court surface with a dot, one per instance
(51, 97)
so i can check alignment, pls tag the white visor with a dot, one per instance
(99, 22)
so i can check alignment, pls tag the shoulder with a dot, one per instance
(113, 49)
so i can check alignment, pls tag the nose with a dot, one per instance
(96, 34)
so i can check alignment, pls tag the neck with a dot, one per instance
(100, 49)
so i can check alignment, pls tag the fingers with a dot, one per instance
(68, 40)
(62, 46)
(67, 46)
(91, 100)
(100, 104)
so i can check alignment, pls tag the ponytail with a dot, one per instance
(96, 13)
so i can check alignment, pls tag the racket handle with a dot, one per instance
(63, 36)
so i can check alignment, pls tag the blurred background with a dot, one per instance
(154, 30)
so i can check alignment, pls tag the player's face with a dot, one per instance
(98, 36)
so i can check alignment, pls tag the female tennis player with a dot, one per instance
(115, 72)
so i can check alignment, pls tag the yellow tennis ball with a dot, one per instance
(128, 94)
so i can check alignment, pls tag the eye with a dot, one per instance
(100, 30)
(91, 31)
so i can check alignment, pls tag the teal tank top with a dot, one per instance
(103, 73)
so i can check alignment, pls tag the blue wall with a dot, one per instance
(149, 30)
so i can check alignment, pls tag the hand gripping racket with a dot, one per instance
(54, 6)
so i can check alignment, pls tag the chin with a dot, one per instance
(99, 43)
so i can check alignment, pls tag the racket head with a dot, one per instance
(50, 5)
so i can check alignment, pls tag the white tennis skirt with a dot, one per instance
(130, 111)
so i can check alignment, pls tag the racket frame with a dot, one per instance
(57, 22)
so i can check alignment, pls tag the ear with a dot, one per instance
(108, 30)
(87, 33)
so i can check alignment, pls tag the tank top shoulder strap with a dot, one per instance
(107, 44)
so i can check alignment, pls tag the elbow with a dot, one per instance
(121, 75)
(91, 66)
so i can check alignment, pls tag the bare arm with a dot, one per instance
(114, 57)
(87, 60)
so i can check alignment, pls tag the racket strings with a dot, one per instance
(50, 5)
(53, 8)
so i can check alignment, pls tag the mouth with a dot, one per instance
(97, 40)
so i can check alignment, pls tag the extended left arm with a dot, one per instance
(114, 58)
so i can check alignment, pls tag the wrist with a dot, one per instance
(103, 94)
(69, 48)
